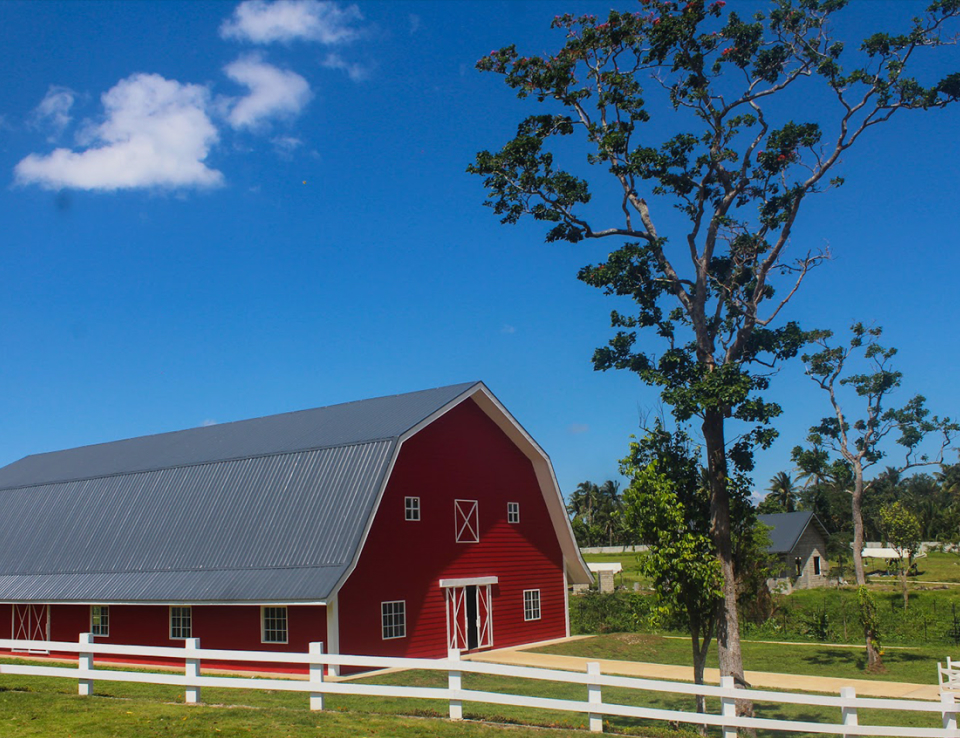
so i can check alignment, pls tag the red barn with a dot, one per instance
(398, 526)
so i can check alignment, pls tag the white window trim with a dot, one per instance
(383, 629)
(511, 508)
(473, 513)
(263, 623)
(170, 631)
(407, 509)
(539, 606)
(92, 627)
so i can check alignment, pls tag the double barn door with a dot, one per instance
(31, 623)
(469, 617)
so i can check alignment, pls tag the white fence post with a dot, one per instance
(454, 684)
(848, 714)
(728, 706)
(316, 676)
(594, 697)
(192, 670)
(948, 706)
(85, 662)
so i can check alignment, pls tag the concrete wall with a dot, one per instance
(809, 549)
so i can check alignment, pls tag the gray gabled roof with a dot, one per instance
(266, 510)
(787, 529)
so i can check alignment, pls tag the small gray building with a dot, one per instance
(800, 542)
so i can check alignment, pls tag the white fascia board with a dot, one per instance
(468, 582)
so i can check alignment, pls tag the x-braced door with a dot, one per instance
(31, 623)
(469, 617)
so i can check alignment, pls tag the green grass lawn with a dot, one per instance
(917, 665)
(938, 567)
(35, 706)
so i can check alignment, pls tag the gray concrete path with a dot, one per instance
(669, 672)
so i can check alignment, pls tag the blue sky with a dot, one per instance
(215, 211)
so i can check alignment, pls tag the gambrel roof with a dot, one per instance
(273, 509)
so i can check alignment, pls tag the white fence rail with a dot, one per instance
(192, 680)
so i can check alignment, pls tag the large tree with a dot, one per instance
(704, 134)
(859, 373)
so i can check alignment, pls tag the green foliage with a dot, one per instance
(901, 529)
(596, 515)
(614, 612)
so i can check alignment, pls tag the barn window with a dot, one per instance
(394, 618)
(180, 623)
(274, 620)
(816, 565)
(100, 620)
(411, 508)
(466, 521)
(531, 604)
(513, 512)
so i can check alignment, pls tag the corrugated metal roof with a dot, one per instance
(336, 425)
(787, 529)
(259, 510)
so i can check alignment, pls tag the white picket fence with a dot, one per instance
(847, 704)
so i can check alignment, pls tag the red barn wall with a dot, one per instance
(462, 455)
(234, 627)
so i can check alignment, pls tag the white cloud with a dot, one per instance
(262, 22)
(208, 422)
(414, 23)
(54, 110)
(508, 329)
(273, 93)
(356, 72)
(155, 133)
(576, 429)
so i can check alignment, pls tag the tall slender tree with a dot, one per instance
(857, 442)
(757, 113)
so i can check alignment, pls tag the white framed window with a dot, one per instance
(513, 512)
(181, 623)
(273, 621)
(411, 508)
(816, 565)
(394, 619)
(100, 620)
(531, 604)
(466, 521)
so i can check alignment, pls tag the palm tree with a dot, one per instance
(783, 491)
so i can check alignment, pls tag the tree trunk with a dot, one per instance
(874, 662)
(904, 570)
(699, 666)
(728, 625)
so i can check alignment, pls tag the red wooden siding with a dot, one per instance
(217, 626)
(462, 455)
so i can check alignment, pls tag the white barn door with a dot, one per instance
(469, 617)
(31, 623)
